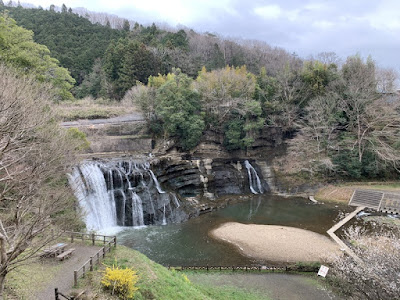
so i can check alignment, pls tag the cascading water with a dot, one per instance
(254, 181)
(122, 193)
(137, 210)
(158, 187)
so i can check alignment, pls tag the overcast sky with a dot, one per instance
(347, 27)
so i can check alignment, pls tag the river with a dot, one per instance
(189, 243)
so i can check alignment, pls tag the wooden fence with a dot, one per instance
(58, 295)
(108, 243)
(296, 268)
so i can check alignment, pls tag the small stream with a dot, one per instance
(189, 243)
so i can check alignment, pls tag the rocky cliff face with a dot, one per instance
(206, 177)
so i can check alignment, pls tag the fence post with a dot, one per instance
(93, 237)
(72, 238)
(83, 271)
(104, 239)
(104, 252)
(56, 293)
(91, 263)
(75, 278)
(98, 258)
(115, 241)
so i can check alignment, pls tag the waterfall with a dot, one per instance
(137, 210)
(91, 191)
(158, 187)
(123, 217)
(164, 221)
(254, 180)
(176, 201)
(125, 193)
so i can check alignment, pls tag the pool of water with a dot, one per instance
(189, 243)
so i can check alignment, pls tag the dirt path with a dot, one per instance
(64, 280)
(272, 286)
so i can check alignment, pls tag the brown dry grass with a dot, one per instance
(89, 108)
(343, 193)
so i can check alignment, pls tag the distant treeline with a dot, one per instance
(342, 118)
(120, 57)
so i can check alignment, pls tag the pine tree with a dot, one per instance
(126, 26)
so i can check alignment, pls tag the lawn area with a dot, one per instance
(343, 192)
(157, 282)
(28, 278)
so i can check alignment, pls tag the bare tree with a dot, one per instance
(372, 120)
(377, 277)
(386, 79)
(34, 152)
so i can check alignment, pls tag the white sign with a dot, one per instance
(323, 271)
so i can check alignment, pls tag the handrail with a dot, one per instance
(258, 268)
(89, 264)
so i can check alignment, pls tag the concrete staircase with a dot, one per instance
(367, 198)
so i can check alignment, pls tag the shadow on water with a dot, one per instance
(189, 243)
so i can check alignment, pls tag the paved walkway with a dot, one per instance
(342, 245)
(64, 280)
(133, 117)
(272, 286)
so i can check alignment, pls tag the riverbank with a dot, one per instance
(343, 192)
(277, 243)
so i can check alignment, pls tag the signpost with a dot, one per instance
(323, 270)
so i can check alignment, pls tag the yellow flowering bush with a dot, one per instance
(120, 281)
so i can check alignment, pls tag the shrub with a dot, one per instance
(120, 281)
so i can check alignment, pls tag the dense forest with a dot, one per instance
(341, 117)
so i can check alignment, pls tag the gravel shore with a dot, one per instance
(277, 243)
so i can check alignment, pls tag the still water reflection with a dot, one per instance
(189, 243)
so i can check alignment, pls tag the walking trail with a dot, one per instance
(64, 279)
(270, 286)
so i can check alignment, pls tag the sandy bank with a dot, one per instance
(277, 243)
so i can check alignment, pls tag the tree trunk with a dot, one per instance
(2, 282)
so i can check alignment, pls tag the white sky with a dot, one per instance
(347, 27)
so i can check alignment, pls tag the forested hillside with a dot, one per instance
(341, 119)
(73, 40)
(106, 62)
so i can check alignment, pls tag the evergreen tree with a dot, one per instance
(126, 26)
(179, 107)
(72, 39)
(18, 49)
(64, 9)
(138, 64)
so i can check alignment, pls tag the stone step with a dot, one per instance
(367, 198)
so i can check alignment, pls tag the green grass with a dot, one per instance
(157, 282)
(35, 276)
